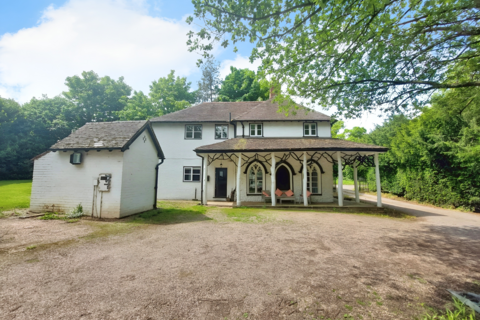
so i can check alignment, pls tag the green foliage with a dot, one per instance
(353, 55)
(139, 107)
(243, 85)
(434, 157)
(171, 94)
(460, 312)
(94, 99)
(15, 194)
(76, 212)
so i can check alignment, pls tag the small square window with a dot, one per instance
(309, 129)
(191, 174)
(193, 131)
(256, 130)
(221, 131)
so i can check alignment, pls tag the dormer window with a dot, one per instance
(310, 129)
(256, 130)
(193, 131)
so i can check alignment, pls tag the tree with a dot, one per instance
(170, 94)
(94, 99)
(139, 107)
(209, 85)
(243, 85)
(354, 55)
(36, 126)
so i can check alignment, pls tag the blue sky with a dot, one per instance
(44, 41)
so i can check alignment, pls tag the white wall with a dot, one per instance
(60, 186)
(179, 153)
(138, 178)
(284, 129)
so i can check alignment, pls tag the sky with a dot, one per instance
(44, 41)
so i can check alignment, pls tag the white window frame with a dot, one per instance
(193, 132)
(310, 126)
(257, 126)
(309, 178)
(222, 132)
(260, 168)
(191, 174)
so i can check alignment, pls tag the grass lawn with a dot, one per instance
(15, 194)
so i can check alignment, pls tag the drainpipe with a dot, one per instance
(156, 182)
(201, 181)
(243, 129)
(234, 124)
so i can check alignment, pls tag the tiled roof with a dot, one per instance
(287, 144)
(106, 135)
(240, 111)
(208, 111)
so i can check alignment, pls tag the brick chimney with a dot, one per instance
(272, 94)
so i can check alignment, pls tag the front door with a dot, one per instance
(220, 182)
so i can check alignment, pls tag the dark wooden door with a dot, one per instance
(220, 182)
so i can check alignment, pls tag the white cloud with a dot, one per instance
(240, 62)
(111, 37)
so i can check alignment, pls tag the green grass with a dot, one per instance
(249, 215)
(15, 194)
(171, 212)
(458, 312)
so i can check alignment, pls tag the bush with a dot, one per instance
(460, 312)
(76, 212)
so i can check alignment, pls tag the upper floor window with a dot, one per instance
(221, 131)
(309, 129)
(256, 130)
(193, 131)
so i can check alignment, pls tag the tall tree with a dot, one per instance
(209, 85)
(94, 99)
(171, 94)
(354, 55)
(243, 85)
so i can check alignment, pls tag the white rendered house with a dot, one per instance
(107, 167)
(240, 150)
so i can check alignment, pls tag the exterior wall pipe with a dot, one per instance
(239, 172)
(305, 173)
(201, 182)
(156, 182)
(274, 183)
(204, 182)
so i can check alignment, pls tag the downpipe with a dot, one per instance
(156, 182)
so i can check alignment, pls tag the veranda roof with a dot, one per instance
(287, 144)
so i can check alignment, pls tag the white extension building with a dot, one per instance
(244, 151)
(107, 167)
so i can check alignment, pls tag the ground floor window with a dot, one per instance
(255, 179)
(314, 180)
(191, 174)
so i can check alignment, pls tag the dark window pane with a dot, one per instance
(196, 177)
(197, 135)
(188, 177)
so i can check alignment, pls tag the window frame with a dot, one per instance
(309, 179)
(215, 131)
(193, 132)
(310, 129)
(191, 173)
(256, 128)
(248, 180)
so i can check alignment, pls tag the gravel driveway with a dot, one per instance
(295, 265)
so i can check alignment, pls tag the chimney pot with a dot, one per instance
(272, 94)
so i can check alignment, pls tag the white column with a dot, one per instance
(274, 184)
(377, 176)
(205, 175)
(305, 172)
(239, 173)
(355, 183)
(340, 180)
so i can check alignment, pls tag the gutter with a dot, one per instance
(156, 182)
(201, 181)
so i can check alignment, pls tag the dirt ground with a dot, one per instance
(293, 265)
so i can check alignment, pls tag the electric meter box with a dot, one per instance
(104, 181)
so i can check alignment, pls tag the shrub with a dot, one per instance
(76, 212)
(459, 312)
